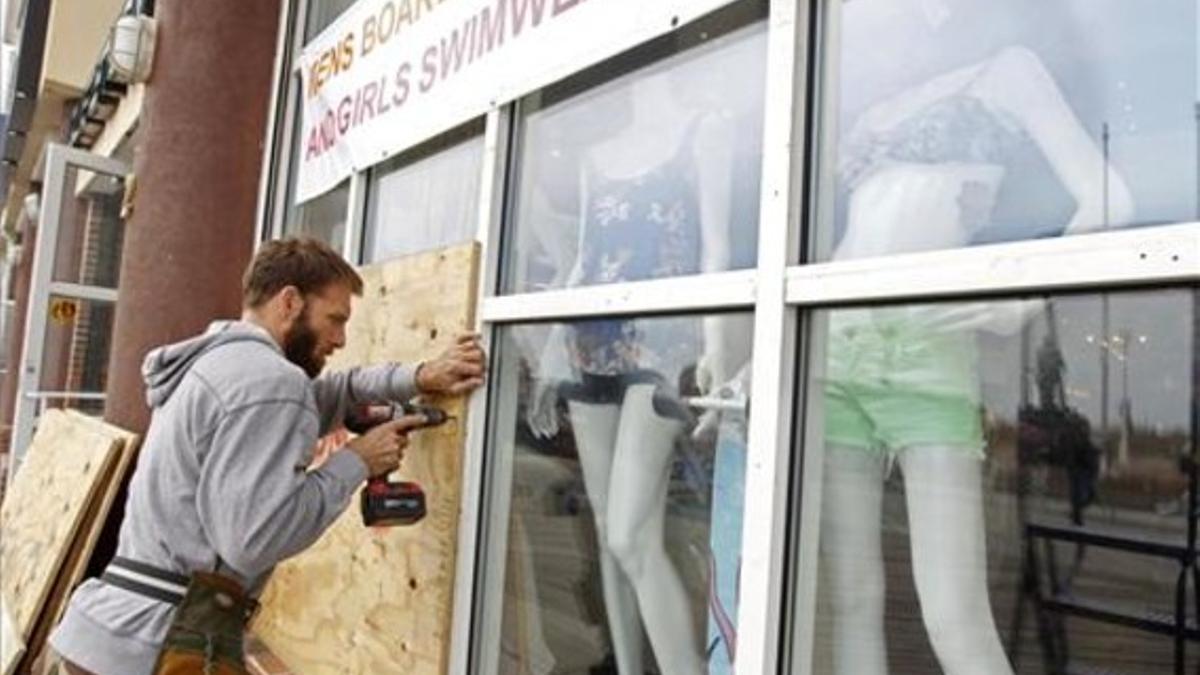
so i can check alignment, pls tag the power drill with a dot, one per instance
(384, 503)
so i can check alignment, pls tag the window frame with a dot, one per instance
(778, 576)
(475, 128)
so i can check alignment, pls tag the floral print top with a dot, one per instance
(644, 227)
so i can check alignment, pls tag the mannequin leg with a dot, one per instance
(636, 511)
(595, 428)
(949, 557)
(852, 558)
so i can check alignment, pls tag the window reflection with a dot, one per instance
(961, 122)
(426, 203)
(322, 13)
(993, 473)
(628, 444)
(322, 217)
(651, 175)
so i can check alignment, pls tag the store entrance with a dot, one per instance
(73, 289)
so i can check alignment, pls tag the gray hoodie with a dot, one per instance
(221, 482)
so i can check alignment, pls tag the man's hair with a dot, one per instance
(306, 263)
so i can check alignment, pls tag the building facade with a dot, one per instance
(841, 336)
(833, 336)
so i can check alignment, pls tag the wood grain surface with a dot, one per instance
(79, 556)
(62, 478)
(378, 600)
(12, 647)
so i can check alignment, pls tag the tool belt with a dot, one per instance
(210, 617)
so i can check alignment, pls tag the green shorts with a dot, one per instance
(876, 419)
(893, 382)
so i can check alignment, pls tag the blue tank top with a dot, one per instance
(644, 227)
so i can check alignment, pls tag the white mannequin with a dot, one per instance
(625, 450)
(908, 207)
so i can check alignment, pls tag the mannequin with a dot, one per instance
(654, 203)
(921, 171)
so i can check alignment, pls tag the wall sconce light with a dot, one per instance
(132, 53)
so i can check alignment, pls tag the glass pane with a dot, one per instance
(321, 13)
(993, 470)
(76, 352)
(90, 230)
(424, 204)
(625, 527)
(654, 174)
(952, 123)
(322, 217)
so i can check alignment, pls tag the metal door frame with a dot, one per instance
(30, 399)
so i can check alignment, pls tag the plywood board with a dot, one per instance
(12, 647)
(80, 554)
(61, 475)
(379, 600)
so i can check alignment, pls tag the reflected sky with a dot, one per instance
(1150, 340)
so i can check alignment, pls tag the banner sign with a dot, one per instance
(389, 74)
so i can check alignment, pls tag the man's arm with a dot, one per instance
(256, 502)
(456, 371)
(336, 391)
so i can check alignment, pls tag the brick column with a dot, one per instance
(198, 162)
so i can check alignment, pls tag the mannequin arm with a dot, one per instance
(1017, 82)
(714, 159)
(554, 365)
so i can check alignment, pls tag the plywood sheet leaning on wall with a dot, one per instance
(12, 647)
(367, 600)
(95, 517)
(62, 478)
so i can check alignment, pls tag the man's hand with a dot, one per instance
(458, 370)
(382, 448)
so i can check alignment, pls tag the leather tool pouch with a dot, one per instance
(206, 635)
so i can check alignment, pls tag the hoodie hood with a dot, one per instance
(165, 366)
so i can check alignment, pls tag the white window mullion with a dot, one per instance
(472, 520)
(709, 292)
(1144, 256)
(768, 445)
(356, 208)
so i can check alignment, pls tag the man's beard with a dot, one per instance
(300, 346)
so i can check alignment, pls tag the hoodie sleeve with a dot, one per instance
(336, 391)
(256, 502)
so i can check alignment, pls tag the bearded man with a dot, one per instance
(223, 491)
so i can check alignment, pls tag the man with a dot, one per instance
(222, 492)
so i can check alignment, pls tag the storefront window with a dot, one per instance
(953, 123)
(1008, 486)
(322, 217)
(653, 174)
(628, 445)
(427, 202)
